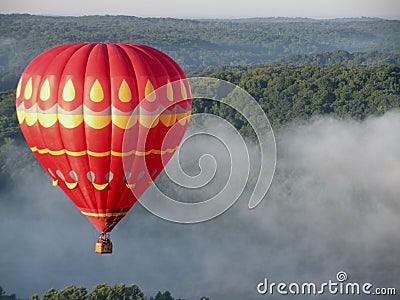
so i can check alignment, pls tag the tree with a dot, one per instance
(163, 296)
(128, 293)
(50, 294)
(101, 292)
(72, 293)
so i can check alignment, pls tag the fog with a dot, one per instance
(333, 206)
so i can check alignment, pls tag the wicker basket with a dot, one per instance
(103, 248)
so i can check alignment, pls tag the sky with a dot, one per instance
(389, 9)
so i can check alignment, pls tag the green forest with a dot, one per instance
(98, 292)
(198, 44)
(296, 69)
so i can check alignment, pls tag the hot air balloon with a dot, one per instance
(96, 115)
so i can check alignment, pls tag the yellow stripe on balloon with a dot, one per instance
(91, 153)
(52, 152)
(104, 215)
(101, 154)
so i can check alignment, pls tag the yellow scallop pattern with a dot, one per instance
(97, 121)
(71, 185)
(47, 120)
(70, 121)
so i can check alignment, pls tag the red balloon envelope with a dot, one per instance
(74, 105)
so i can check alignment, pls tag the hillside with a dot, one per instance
(196, 44)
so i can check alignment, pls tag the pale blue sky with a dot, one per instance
(209, 8)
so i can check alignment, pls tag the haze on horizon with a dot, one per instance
(387, 9)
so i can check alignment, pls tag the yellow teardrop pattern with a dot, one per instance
(170, 92)
(28, 90)
(96, 92)
(45, 90)
(183, 91)
(124, 93)
(68, 91)
(149, 92)
(19, 88)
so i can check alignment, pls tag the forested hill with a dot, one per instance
(196, 44)
(285, 93)
(295, 68)
(340, 57)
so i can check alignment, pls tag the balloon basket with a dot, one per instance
(104, 245)
(102, 248)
